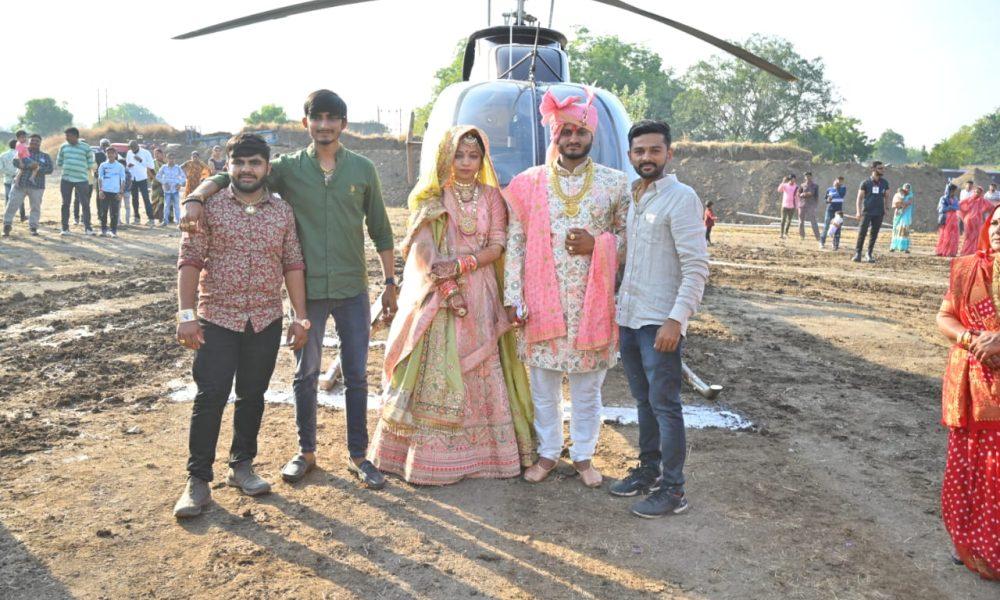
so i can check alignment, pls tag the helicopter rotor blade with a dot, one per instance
(267, 15)
(733, 49)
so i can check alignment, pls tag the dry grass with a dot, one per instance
(741, 150)
(117, 132)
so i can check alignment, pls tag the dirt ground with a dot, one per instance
(834, 494)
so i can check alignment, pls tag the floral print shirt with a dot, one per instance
(604, 209)
(243, 258)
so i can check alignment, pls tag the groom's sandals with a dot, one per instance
(536, 473)
(297, 468)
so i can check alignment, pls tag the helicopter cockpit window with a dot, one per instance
(506, 113)
(548, 63)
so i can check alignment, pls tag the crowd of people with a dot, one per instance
(504, 293)
(89, 174)
(961, 217)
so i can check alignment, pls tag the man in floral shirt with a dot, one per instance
(233, 268)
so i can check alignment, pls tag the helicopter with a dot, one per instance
(506, 71)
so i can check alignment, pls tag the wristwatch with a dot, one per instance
(390, 281)
(186, 315)
(304, 323)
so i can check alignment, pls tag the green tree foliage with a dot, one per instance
(916, 156)
(269, 113)
(836, 139)
(953, 152)
(619, 66)
(443, 77)
(636, 102)
(729, 99)
(127, 112)
(986, 139)
(890, 148)
(45, 116)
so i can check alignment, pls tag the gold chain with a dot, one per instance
(571, 202)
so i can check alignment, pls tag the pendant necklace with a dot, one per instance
(571, 202)
(467, 195)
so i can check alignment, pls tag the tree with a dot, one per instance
(127, 112)
(890, 148)
(44, 116)
(729, 99)
(953, 152)
(370, 127)
(619, 66)
(443, 77)
(636, 102)
(916, 156)
(986, 139)
(837, 139)
(269, 113)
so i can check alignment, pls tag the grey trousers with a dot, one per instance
(17, 196)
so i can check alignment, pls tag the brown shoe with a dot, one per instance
(537, 473)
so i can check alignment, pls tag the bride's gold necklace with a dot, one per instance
(571, 202)
(467, 195)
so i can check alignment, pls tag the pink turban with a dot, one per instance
(571, 111)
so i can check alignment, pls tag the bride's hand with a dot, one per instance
(445, 269)
(458, 305)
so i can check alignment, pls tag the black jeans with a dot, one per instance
(141, 187)
(873, 221)
(82, 188)
(248, 356)
(111, 204)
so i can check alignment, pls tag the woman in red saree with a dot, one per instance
(457, 402)
(948, 233)
(973, 210)
(970, 494)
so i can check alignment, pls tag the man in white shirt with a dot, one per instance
(970, 187)
(140, 165)
(666, 268)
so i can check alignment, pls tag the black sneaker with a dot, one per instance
(660, 503)
(856, 257)
(642, 479)
(368, 474)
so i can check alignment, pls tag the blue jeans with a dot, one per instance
(171, 207)
(831, 212)
(655, 381)
(352, 318)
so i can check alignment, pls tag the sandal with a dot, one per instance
(536, 473)
(590, 476)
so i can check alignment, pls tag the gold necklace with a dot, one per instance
(250, 208)
(571, 202)
(467, 195)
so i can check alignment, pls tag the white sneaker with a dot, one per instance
(89, 232)
(113, 234)
(64, 232)
(822, 247)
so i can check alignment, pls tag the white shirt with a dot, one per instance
(138, 168)
(964, 194)
(666, 264)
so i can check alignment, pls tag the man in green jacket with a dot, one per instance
(335, 195)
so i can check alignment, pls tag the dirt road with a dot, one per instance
(833, 495)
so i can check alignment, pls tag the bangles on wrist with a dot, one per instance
(448, 288)
(965, 339)
(467, 263)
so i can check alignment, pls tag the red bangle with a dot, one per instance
(448, 288)
(467, 263)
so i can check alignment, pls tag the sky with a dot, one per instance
(921, 68)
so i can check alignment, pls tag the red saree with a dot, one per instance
(970, 406)
(948, 235)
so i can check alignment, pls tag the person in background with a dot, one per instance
(789, 202)
(808, 197)
(30, 182)
(21, 147)
(217, 161)
(835, 195)
(948, 222)
(126, 197)
(973, 210)
(709, 222)
(195, 171)
(76, 160)
(111, 181)
(902, 220)
(870, 210)
(171, 180)
(9, 172)
(139, 162)
(968, 190)
(993, 195)
(833, 230)
(155, 187)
